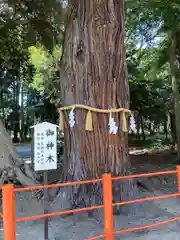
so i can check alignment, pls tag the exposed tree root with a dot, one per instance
(12, 167)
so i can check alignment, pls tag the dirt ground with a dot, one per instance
(81, 227)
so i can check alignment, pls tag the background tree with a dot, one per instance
(23, 24)
(159, 22)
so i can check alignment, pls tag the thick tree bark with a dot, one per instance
(93, 73)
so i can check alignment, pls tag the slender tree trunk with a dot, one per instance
(95, 74)
(16, 111)
(173, 127)
(142, 127)
(22, 113)
(151, 127)
(176, 94)
(166, 128)
(2, 106)
(138, 127)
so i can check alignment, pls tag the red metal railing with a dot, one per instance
(9, 220)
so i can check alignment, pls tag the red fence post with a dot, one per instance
(108, 209)
(178, 178)
(8, 212)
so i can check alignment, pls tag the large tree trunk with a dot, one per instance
(93, 73)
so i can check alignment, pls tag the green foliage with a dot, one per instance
(151, 25)
(46, 69)
(24, 24)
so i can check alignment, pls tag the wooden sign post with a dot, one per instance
(45, 158)
(46, 200)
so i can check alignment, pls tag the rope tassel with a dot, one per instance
(89, 124)
(124, 122)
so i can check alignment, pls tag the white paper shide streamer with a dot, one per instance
(113, 128)
(132, 123)
(72, 118)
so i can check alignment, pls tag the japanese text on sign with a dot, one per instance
(45, 146)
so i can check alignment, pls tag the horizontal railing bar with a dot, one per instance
(144, 175)
(146, 199)
(97, 237)
(57, 185)
(147, 226)
(93, 181)
(58, 213)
